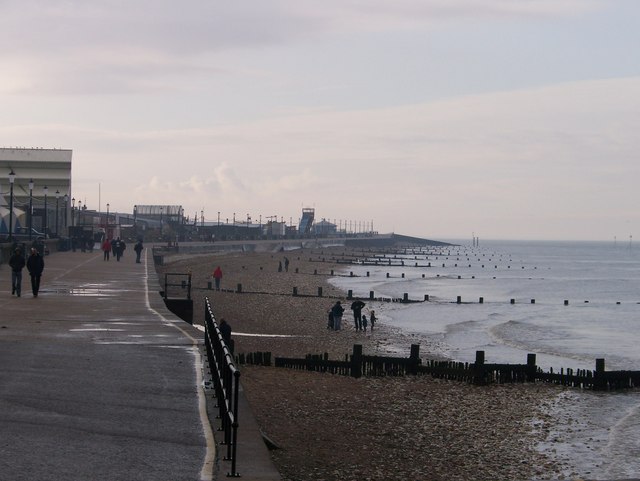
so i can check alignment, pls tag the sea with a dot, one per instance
(569, 303)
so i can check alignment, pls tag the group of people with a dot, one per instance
(360, 320)
(117, 248)
(35, 267)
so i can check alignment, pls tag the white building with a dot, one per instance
(42, 177)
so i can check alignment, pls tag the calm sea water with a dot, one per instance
(567, 302)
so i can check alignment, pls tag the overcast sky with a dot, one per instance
(512, 119)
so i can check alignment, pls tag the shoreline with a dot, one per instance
(330, 427)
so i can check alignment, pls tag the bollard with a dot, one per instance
(533, 301)
(414, 358)
(403, 275)
(351, 274)
(481, 300)
(426, 297)
(459, 300)
(513, 301)
(423, 276)
(319, 291)
(356, 361)
(295, 291)
(531, 368)
(387, 275)
(367, 273)
(349, 294)
(405, 297)
(239, 290)
(459, 277)
(566, 302)
(371, 295)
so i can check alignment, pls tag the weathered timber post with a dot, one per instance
(481, 300)
(239, 289)
(349, 294)
(479, 372)
(319, 291)
(356, 361)
(371, 295)
(414, 359)
(459, 300)
(599, 379)
(405, 297)
(531, 367)
(295, 291)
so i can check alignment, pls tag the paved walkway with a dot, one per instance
(99, 381)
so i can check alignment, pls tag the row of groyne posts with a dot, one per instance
(357, 364)
(225, 378)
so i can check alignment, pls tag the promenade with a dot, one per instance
(99, 381)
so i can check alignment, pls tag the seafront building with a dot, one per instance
(35, 190)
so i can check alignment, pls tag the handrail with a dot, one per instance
(226, 382)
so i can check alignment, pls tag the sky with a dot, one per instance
(503, 119)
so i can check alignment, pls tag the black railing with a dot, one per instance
(226, 382)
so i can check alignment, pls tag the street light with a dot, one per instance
(12, 178)
(73, 209)
(30, 208)
(57, 224)
(46, 191)
(107, 223)
(66, 207)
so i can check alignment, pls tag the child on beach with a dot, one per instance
(372, 318)
(364, 323)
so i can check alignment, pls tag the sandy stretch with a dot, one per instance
(330, 427)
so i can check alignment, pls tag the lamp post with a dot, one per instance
(73, 209)
(218, 218)
(30, 208)
(66, 207)
(46, 191)
(12, 178)
(57, 204)
(202, 218)
(160, 221)
(107, 222)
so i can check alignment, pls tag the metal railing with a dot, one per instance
(226, 382)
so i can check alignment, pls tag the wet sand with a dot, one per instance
(330, 427)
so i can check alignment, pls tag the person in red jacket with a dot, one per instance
(217, 276)
(106, 249)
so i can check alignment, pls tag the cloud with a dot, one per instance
(75, 47)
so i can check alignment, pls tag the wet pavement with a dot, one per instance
(99, 381)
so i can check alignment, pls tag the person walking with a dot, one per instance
(138, 248)
(286, 264)
(217, 276)
(356, 307)
(225, 331)
(117, 248)
(35, 266)
(16, 262)
(106, 249)
(364, 323)
(337, 311)
(372, 318)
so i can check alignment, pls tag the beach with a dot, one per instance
(330, 427)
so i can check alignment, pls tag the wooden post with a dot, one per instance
(356, 361)
(479, 374)
(319, 291)
(405, 297)
(531, 367)
(426, 297)
(295, 291)
(599, 380)
(371, 295)
(459, 300)
(513, 301)
(481, 300)
(239, 289)
(349, 294)
(414, 358)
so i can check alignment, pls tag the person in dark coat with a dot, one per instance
(16, 262)
(337, 311)
(225, 330)
(35, 266)
(138, 248)
(356, 307)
